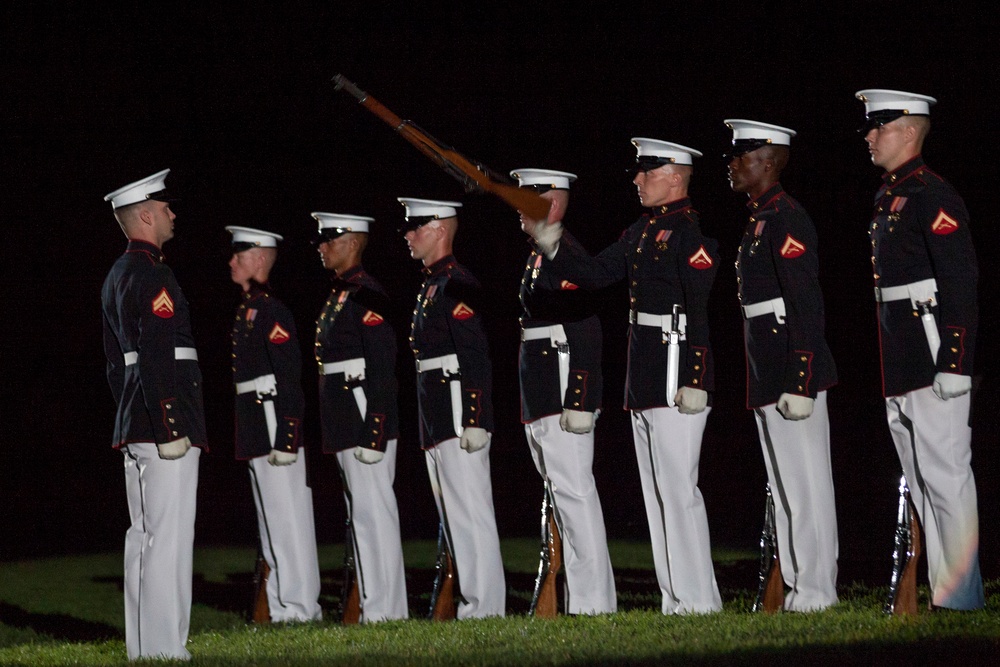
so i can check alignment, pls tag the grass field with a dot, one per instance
(69, 611)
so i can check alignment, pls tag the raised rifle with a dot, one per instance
(474, 176)
(771, 592)
(903, 586)
(544, 601)
(443, 605)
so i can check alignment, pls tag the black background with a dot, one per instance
(238, 103)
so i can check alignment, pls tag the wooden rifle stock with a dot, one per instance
(545, 601)
(771, 592)
(906, 554)
(472, 176)
(350, 596)
(443, 607)
(260, 613)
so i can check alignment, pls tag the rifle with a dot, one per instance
(544, 601)
(350, 596)
(443, 607)
(771, 593)
(474, 176)
(260, 612)
(903, 586)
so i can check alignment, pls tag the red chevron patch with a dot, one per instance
(944, 224)
(372, 319)
(792, 248)
(567, 285)
(701, 259)
(278, 335)
(163, 305)
(462, 312)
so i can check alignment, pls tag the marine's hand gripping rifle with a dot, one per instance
(474, 176)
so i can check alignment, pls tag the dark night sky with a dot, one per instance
(238, 103)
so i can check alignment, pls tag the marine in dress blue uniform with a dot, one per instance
(356, 357)
(670, 266)
(454, 391)
(559, 368)
(267, 376)
(789, 365)
(925, 272)
(152, 368)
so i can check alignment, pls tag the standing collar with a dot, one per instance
(135, 245)
(766, 197)
(351, 273)
(904, 171)
(440, 266)
(676, 206)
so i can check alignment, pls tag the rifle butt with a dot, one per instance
(352, 606)
(260, 613)
(905, 600)
(547, 605)
(443, 598)
(773, 599)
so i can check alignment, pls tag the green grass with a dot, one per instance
(69, 611)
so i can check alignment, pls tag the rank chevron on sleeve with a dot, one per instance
(163, 305)
(792, 248)
(700, 259)
(278, 334)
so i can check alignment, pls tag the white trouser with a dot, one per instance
(934, 443)
(667, 448)
(288, 538)
(378, 552)
(159, 550)
(566, 460)
(797, 457)
(463, 493)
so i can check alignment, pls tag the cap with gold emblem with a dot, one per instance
(749, 135)
(151, 187)
(542, 180)
(884, 106)
(421, 211)
(653, 153)
(332, 225)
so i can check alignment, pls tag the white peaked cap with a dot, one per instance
(342, 222)
(755, 130)
(674, 153)
(134, 193)
(420, 208)
(557, 180)
(879, 99)
(255, 237)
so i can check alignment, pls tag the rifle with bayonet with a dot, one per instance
(474, 176)
(771, 591)
(544, 601)
(903, 586)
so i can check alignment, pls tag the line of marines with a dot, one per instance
(924, 273)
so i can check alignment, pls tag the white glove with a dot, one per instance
(575, 421)
(174, 449)
(794, 407)
(366, 455)
(474, 438)
(691, 401)
(949, 385)
(280, 458)
(547, 237)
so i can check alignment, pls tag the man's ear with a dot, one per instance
(146, 216)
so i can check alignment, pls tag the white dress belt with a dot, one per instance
(180, 354)
(776, 306)
(351, 368)
(557, 335)
(919, 291)
(448, 364)
(266, 388)
(664, 322)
